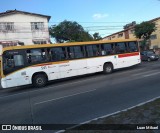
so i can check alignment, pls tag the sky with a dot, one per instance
(103, 16)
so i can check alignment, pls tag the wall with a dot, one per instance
(154, 42)
(22, 26)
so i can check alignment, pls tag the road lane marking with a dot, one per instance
(64, 97)
(137, 74)
(152, 74)
(12, 95)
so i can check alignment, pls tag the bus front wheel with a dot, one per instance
(39, 80)
(107, 68)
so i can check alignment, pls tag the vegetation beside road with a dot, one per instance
(148, 113)
(71, 31)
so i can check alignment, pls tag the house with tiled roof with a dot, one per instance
(128, 33)
(23, 28)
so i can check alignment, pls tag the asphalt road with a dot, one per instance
(79, 99)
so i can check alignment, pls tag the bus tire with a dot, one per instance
(107, 68)
(39, 80)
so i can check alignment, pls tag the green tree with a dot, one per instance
(144, 31)
(68, 31)
(96, 36)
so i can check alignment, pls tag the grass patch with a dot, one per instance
(148, 113)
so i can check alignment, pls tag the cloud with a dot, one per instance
(98, 16)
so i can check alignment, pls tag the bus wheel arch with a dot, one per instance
(108, 68)
(39, 79)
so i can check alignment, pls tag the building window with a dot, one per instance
(6, 26)
(37, 26)
(155, 47)
(113, 36)
(153, 37)
(120, 35)
(132, 31)
(9, 44)
(40, 42)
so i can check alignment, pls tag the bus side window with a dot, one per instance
(117, 49)
(57, 54)
(36, 55)
(79, 52)
(89, 51)
(70, 52)
(133, 47)
(96, 51)
(93, 50)
(18, 60)
(121, 48)
(107, 49)
(75, 52)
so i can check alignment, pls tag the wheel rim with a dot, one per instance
(40, 81)
(108, 69)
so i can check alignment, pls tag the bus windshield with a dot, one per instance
(12, 60)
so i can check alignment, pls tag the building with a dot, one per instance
(128, 33)
(23, 28)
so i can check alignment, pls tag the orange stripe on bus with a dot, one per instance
(128, 55)
(44, 64)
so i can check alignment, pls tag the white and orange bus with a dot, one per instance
(38, 64)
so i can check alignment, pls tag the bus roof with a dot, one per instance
(66, 44)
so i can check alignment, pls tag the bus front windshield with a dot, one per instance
(12, 61)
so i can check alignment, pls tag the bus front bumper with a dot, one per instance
(3, 83)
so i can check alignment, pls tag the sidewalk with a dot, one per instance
(148, 113)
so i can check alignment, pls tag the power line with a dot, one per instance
(72, 21)
(62, 21)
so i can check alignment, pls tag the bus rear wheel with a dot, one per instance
(107, 68)
(39, 80)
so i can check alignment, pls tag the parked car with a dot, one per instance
(149, 56)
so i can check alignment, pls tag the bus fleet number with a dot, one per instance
(44, 67)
